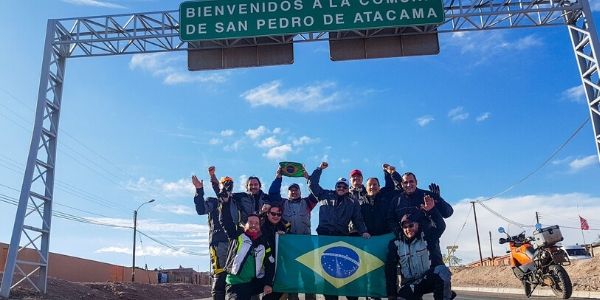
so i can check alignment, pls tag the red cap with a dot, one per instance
(356, 172)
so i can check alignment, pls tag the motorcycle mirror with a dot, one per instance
(501, 230)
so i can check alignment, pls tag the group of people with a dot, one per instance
(243, 227)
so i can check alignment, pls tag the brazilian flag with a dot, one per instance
(291, 169)
(331, 265)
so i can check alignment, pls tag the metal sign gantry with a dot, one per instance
(159, 32)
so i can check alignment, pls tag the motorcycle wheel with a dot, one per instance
(562, 286)
(527, 287)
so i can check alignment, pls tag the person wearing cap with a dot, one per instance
(357, 192)
(415, 255)
(297, 211)
(337, 210)
(217, 239)
(357, 189)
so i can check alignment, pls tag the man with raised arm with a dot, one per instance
(297, 211)
(216, 236)
(337, 210)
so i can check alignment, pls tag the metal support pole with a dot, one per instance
(491, 248)
(37, 190)
(134, 231)
(135, 212)
(537, 218)
(477, 231)
(584, 40)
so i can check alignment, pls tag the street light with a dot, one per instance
(134, 232)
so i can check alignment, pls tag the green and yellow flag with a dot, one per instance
(331, 265)
(291, 169)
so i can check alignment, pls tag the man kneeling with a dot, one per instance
(415, 254)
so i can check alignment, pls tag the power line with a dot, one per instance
(541, 165)
(96, 166)
(71, 217)
(68, 188)
(480, 202)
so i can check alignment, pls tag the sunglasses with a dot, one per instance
(341, 186)
(274, 214)
(410, 225)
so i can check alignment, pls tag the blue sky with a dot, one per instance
(478, 117)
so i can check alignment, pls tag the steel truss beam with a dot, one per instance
(34, 212)
(159, 32)
(584, 39)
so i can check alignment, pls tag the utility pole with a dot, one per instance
(477, 231)
(491, 248)
(134, 232)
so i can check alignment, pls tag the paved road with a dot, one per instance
(490, 296)
(465, 296)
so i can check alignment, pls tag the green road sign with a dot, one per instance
(225, 19)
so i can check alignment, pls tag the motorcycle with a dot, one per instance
(537, 261)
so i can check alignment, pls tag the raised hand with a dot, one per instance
(211, 171)
(388, 168)
(435, 189)
(197, 183)
(429, 203)
(323, 165)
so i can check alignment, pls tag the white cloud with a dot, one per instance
(148, 225)
(180, 188)
(269, 142)
(235, 146)
(562, 161)
(171, 68)
(242, 185)
(425, 120)
(304, 140)
(256, 133)
(145, 251)
(320, 96)
(95, 3)
(458, 114)
(215, 141)
(561, 209)
(277, 130)
(113, 249)
(279, 152)
(485, 45)
(581, 163)
(574, 94)
(483, 117)
(175, 209)
(227, 132)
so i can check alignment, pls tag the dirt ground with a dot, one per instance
(584, 274)
(62, 289)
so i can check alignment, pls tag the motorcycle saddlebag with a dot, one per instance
(547, 236)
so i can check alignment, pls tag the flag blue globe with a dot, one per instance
(340, 262)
